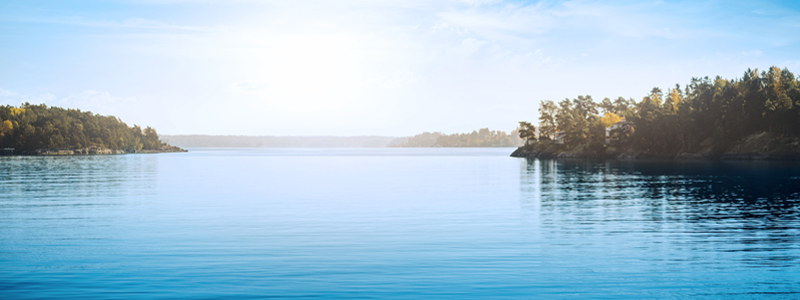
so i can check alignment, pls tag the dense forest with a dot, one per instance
(477, 138)
(704, 115)
(31, 127)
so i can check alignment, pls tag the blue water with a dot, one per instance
(395, 223)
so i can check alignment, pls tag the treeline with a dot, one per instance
(480, 138)
(278, 141)
(705, 113)
(31, 127)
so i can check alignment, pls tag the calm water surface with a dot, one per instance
(395, 223)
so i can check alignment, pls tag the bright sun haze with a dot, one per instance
(370, 67)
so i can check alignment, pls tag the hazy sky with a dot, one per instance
(352, 67)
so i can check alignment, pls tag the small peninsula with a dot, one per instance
(756, 117)
(41, 130)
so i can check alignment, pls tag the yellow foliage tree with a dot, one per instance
(7, 128)
(15, 111)
(673, 100)
(609, 119)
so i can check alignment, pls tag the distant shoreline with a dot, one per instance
(364, 141)
(86, 151)
(239, 141)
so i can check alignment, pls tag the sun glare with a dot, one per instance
(311, 74)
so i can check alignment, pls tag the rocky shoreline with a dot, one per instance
(761, 146)
(87, 151)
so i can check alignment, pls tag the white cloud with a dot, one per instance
(134, 23)
(507, 22)
(480, 2)
(399, 79)
(792, 65)
(6, 93)
(17, 98)
(345, 63)
(248, 86)
(92, 98)
(468, 47)
(142, 110)
(755, 53)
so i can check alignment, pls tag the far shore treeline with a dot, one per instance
(477, 138)
(234, 141)
(31, 127)
(708, 114)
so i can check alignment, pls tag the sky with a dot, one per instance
(352, 67)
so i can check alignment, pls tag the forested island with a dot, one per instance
(41, 130)
(753, 117)
(477, 138)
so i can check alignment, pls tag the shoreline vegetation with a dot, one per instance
(477, 138)
(756, 117)
(41, 130)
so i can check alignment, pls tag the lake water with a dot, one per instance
(395, 223)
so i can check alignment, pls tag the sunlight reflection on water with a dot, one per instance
(394, 223)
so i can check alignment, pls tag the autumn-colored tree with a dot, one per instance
(7, 128)
(609, 119)
(673, 101)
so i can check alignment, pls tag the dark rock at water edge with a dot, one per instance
(551, 150)
(760, 146)
(164, 148)
(527, 153)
